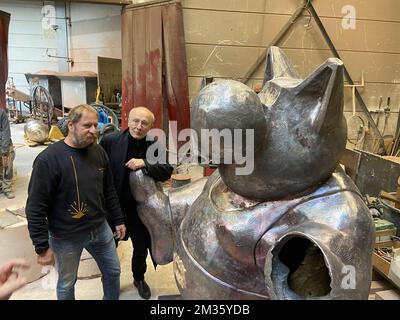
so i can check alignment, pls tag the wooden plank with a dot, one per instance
(351, 159)
(116, 2)
(233, 62)
(376, 174)
(392, 158)
(222, 61)
(284, 7)
(388, 196)
(194, 86)
(380, 264)
(385, 244)
(386, 10)
(377, 67)
(387, 295)
(254, 29)
(379, 286)
(234, 28)
(384, 233)
(383, 239)
(371, 36)
(375, 10)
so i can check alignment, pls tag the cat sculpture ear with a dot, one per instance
(278, 66)
(318, 99)
(324, 91)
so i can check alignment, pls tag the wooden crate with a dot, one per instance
(380, 264)
(382, 238)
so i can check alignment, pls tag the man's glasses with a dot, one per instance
(136, 122)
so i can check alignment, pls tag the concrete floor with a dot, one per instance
(161, 282)
(43, 280)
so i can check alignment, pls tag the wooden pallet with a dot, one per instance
(380, 264)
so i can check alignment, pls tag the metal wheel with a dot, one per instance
(42, 105)
(355, 129)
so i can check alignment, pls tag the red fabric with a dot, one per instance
(152, 44)
(142, 62)
(4, 24)
(176, 77)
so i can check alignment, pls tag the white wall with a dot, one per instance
(95, 31)
(27, 41)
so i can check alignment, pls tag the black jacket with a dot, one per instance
(116, 146)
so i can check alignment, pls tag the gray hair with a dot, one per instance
(76, 112)
(141, 108)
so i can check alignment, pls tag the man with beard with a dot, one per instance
(70, 196)
(127, 152)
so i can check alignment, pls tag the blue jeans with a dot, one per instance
(99, 242)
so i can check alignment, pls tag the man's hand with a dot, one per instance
(46, 258)
(14, 282)
(7, 269)
(120, 231)
(9, 278)
(4, 159)
(135, 164)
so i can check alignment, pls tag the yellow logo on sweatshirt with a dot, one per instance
(78, 209)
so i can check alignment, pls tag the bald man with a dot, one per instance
(127, 152)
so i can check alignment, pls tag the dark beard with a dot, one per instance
(80, 143)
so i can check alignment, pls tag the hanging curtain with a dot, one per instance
(154, 71)
(4, 23)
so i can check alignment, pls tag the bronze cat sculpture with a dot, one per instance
(296, 227)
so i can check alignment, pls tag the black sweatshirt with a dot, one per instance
(70, 190)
